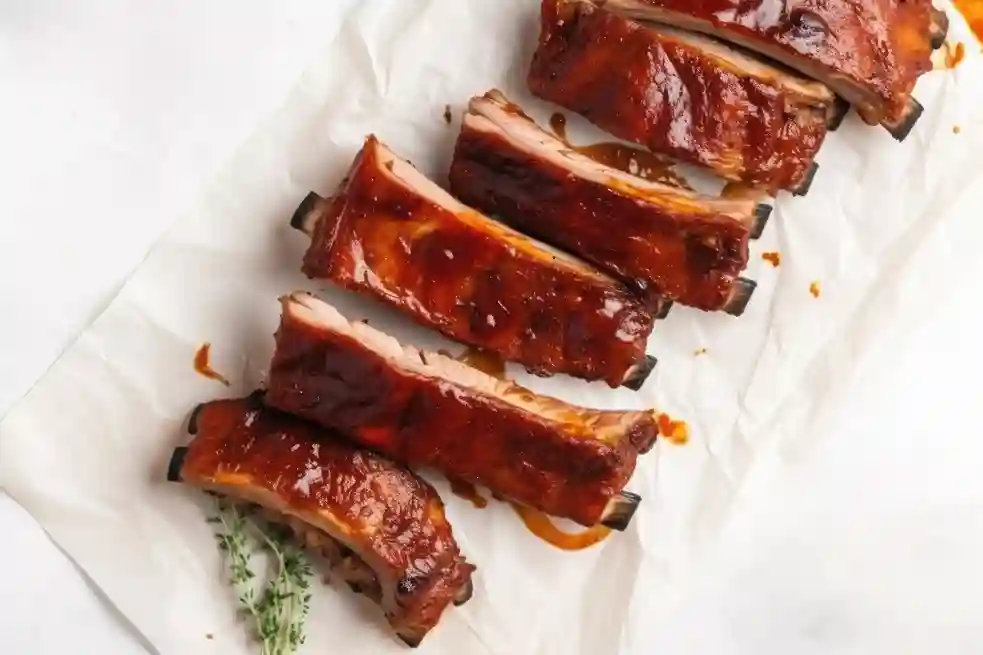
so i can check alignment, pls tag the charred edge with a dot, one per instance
(465, 593)
(193, 419)
(299, 219)
(939, 29)
(664, 309)
(740, 296)
(620, 509)
(837, 114)
(803, 187)
(902, 129)
(760, 219)
(410, 640)
(640, 373)
(176, 464)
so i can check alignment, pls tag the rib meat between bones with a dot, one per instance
(659, 239)
(381, 527)
(430, 411)
(391, 233)
(689, 96)
(870, 52)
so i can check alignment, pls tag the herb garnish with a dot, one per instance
(277, 605)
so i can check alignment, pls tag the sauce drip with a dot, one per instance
(773, 258)
(467, 491)
(699, 351)
(954, 54)
(558, 123)
(203, 368)
(814, 289)
(485, 361)
(956, 129)
(972, 11)
(541, 526)
(675, 431)
(448, 117)
(635, 161)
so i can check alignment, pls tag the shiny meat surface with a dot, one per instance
(390, 518)
(871, 52)
(393, 234)
(694, 99)
(658, 239)
(431, 411)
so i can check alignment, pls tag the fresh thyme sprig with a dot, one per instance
(277, 606)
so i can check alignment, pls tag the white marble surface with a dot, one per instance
(108, 116)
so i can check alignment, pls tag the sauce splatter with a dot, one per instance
(675, 431)
(467, 491)
(814, 289)
(485, 361)
(635, 161)
(541, 526)
(956, 129)
(699, 351)
(972, 11)
(773, 258)
(203, 368)
(954, 54)
(448, 117)
(558, 123)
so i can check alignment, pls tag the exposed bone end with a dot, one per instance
(663, 310)
(740, 296)
(762, 213)
(837, 113)
(639, 373)
(305, 217)
(939, 29)
(193, 419)
(412, 640)
(465, 593)
(803, 187)
(901, 129)
(617, 515)
(176, 464)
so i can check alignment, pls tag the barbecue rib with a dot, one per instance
(870, 52)
(431, 411)
(381, 527)
(685, 95)
(657, 238)
(393, 234)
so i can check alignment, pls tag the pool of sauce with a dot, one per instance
(675, 431)
(773, 258)
(558, 123)
(204, 368)
(485, 361)
(541, 526)
(467, 491)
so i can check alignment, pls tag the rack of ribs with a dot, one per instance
(380, 527)
(658, 239)
(393, 234)
(869, 52)
(430, 411)
(693, 98)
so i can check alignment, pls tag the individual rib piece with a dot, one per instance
(381, 527)
(870, 52)
(393, 234)
(657, 238)
(431, 411)
(689, 96)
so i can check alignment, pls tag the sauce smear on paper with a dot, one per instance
(954, 54)
(484, 361)
(772, 258)
(203, 368)
(635, 161)
(541, 526)
(675, 431)
(814, 289)
(467, 491)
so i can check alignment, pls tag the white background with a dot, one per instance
(109, 123)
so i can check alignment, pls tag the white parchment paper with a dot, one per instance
(883, 229)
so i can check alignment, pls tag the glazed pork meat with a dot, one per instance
(658, 239)
(379, 526)
(391, 233)
(693, 98)
(430, 411)
(869, 52)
